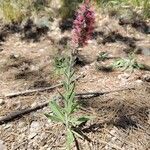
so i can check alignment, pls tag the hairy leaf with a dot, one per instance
(53, 118)
(57, 110)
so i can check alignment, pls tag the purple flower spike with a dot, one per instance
(83, 25)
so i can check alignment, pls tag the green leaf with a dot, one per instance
(67, 73)
(57, 110)
(71, 102)
(53, 118)
(62, 96)
(65, 85)
(72, 74)
(82, 120)
(141, 66)
(70, 139)
(77, 121)
(74, 107)
(71, 89)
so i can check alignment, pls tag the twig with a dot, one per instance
(20, 113)
(96, 94)
(16, 114)
(76, 143)
(27, 92)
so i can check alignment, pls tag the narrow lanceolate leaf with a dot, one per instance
(78, 121)
(70, 139)
(67, 73)
(82, 120)
(71, 104)
(72, 74)
(53, 118)
(74, 108)
(65, 85)
(57, 110)
(72, 87)
(62, 96)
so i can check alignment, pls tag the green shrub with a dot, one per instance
(102, 56)
(129, 63)
(17, 10)
(142, 5)
(11, 12)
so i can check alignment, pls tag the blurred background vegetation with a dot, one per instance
(18, 10)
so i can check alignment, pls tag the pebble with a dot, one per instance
(146, 51)
(34, 129)
(146, 77)
(7, 126)
(2, 146)
(41, 50)
(34, 68)
(2, 102)
(139, 82)
(123, 76)
(14, 56)
(22, 127)
(34, 104)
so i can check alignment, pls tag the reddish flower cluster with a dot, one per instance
(83, 25)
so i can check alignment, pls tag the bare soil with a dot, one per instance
(121, 120)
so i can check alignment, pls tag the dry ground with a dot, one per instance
(121, 120)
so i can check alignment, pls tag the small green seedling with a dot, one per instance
(65, 114)
(102, 56)
(127, 63)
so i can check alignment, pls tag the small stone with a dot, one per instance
(41, 50)
(21, 124)
(34, 129)
(42, 136)
(34, 68)
(7, 126)
(146, 77)
(123, 76)
(35, 125)
(34, 104)
(139, 82)
(2, 102)
(146, 51)
(2, 146)
(14, 56)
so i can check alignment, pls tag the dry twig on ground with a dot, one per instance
(22, 112)
(28, 92)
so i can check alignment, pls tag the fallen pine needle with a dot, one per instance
(13, 115)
